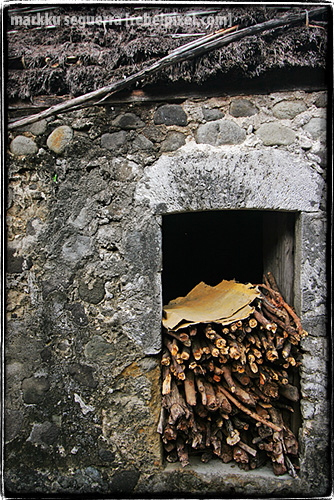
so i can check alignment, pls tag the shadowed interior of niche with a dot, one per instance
(210, 247)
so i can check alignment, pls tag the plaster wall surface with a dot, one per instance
(86, 193)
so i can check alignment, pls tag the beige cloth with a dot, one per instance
(224, 303)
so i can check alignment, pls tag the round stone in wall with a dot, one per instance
(289, 109)
(22, 145)
(242, 107)
(170, 114)
(220, 132)
(210, 114)
(114, 140)
(275, 134)
(316, 127)
(37, 128)
(321, 101)
(128, 121)
(59, 138)
(173, 141)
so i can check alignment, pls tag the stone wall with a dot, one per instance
(86, 192)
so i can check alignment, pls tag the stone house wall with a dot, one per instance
(86, 193)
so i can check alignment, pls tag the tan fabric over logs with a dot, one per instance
(224, 303)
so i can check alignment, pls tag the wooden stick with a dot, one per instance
(165, 358)
(253, 415)
(286, 349)
(181, 337)
(224, 404)
(212, 404)
(264, 322)
(226, 372)
(252, 323)
(189, 388)
(196, 349)
(233, 434)
(289, 391)
(192, 331)
(171, 346)
(185, 354)
(201, 389)
(162, 420)
(166, 380)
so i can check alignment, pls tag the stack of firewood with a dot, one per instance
(228, 389)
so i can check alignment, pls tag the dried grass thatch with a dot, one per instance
(73, 60)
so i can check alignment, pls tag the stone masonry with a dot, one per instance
(86, 192)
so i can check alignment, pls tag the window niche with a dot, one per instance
(227, 244)
(211, 246)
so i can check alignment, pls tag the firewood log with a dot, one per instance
(182, 451)
(189, 387)
(244, 396)
(233, 435)
(226, 454)
(180, 336)
(165, 358)
(273, 311)
(214, 351)
(166, 380)
(211, 402)
(239, 454)
(177, 369)
(201, 388)
(234, 349)
(286, 349)
(172, 457)
(170, 433)
(176, 405)
(185, 354)
(252, 322)
(223, 402)
(206, 457)
(192, 331)
(216, 444)
(233, 327)
(243, 378)
(226, 372)
(171, 345)
(264, 321)
(251, 361)
(289, 392)
(196, 349)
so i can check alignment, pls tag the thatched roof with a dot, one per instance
(73, 59)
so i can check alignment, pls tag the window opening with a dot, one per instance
(229, 244)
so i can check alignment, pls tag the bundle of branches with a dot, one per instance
(227, 389)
